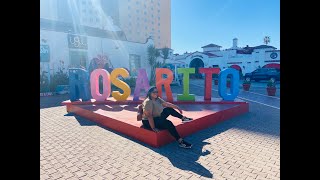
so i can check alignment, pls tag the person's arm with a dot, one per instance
(151, 121)
(167, 104)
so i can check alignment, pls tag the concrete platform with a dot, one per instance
(121, 117)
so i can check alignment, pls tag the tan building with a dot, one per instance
(140, 19)
(137, 19)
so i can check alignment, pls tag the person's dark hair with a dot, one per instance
(150, 91)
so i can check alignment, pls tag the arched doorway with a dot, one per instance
(272, 65)
(196, 63)
(237, 67)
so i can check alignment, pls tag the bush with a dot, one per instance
(44, 82)
(60, 78)
(271, 84)
(215, 76)
(246, 82)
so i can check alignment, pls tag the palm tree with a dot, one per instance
(153, 54)
(165, 53)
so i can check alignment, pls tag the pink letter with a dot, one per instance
(94, 81)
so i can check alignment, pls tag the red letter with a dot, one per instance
(208, 82)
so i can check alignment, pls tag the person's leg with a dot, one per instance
(170, 111)
(166, 124)
(146, 124)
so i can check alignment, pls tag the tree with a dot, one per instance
(153, 54)
(165, 53)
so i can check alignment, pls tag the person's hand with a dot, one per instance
(155, 130)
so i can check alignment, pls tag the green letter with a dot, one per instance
(186, 96)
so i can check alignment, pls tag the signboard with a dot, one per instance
(44, 53)
(77, 42)
(273, 55)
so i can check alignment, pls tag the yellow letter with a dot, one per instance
(120, 84)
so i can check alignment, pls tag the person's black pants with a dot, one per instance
(162, 122)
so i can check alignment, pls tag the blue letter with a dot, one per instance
(234, 88)
(79, 84)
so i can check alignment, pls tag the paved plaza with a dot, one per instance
(244, 147)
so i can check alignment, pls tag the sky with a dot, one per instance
(196, 23)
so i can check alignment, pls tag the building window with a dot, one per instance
(158, 4)
(137, 11)
(158, 10)
(129, 23)
(83, 2)
(129, 7)
(152, 22)
(145, 20)
(134, 64)
(138, 18)
(97, 20)
(145, 6)
(152, 29)
(137, 2)
(158, 31)
(145, 27)
(151, 8)
(145, 13)
(151, 15)
(158, 37)
(158, 18)
(158, 24)
(91, 19)
(83, 10)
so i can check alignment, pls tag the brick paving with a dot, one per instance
(245, 147)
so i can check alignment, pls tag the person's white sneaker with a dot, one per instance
(186, 119)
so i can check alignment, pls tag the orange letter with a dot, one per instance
(166, 82)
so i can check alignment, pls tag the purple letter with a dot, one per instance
(142, 82)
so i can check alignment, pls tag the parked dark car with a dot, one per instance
(263, 74)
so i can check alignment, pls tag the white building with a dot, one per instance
(245, 59)
(63, 45)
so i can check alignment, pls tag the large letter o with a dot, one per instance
(234, 88)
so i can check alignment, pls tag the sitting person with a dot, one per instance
(155, 113)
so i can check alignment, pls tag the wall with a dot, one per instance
(117, 51)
